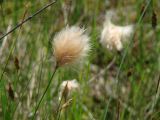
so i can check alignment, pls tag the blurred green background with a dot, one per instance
(27, 61)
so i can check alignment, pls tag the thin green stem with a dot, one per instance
(44, 93)
(58, 109)
(126, 51)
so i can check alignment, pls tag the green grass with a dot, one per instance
(137, 72)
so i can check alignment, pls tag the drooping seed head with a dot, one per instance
(114, 36)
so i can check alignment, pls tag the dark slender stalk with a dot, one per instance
(27, 19)
(158, 84)
(44, 93)
(59, 105)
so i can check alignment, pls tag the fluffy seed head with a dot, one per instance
(70, 45)
(113, 36)
(67, 87)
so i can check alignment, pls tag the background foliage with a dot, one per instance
(27, 61)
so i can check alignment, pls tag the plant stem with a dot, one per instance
(27, 19)
(59, 105)
(44, 93)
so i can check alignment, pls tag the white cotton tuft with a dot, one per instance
(114, 36)
(71, 45)
(68, 87)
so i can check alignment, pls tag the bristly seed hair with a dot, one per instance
(114, 36)
(70, 45)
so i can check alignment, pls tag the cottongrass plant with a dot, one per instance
(114, 36)
(71, 45)
(67, 88)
